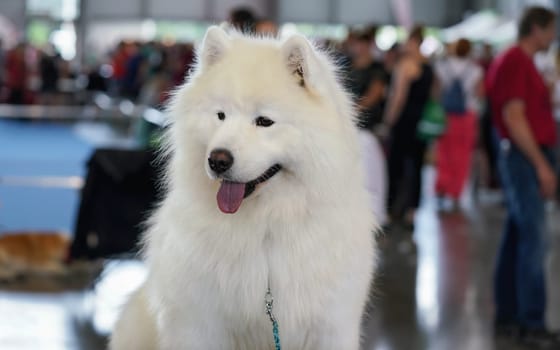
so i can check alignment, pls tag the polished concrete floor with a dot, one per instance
(433, 290)
(434, 287)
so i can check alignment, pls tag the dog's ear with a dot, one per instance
(215, 43)
(302, 61)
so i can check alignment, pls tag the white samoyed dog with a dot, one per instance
(266, 192)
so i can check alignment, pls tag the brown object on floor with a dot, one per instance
(24, 253)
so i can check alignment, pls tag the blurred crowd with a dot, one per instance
(144, 72)
(394, 88)
(459, 106)
(140, 71)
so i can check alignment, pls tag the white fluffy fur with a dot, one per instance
(308, 230)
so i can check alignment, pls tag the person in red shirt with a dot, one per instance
(522, 115)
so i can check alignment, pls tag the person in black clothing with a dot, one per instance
(367, 81)
(49, 77)
(390, 59)
(96, 81)
(410, 90)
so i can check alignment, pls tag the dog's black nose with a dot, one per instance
(220, 160)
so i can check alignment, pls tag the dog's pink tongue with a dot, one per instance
(230, 196)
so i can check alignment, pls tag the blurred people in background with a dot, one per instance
(156, 90)
(487, 136)
(135, 69)
(486, 56)
(522, 113)
(411, 87)
(367, 81)
(267, 27)
(556, 100)
(556, 96)
(95, 80)
(460, 81)
(66, 82)
(390, 59)
(48, 69)
(375, 171)
(16, 74)
(376, 52)
(2, 58)
(243, 19)
(183, 59)
(119, 59)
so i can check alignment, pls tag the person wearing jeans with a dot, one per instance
(522, 115)
(520, 279)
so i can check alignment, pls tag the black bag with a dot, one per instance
(119, 192)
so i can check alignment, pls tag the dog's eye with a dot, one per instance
(221, 115)
(264, 122)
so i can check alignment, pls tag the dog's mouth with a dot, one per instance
(231, 194)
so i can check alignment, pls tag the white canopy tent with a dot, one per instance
(484, 26)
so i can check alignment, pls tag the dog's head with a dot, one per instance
(259, 115)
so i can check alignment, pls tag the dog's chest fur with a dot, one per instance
(228, 273)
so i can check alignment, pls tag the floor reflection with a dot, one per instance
(45, 321)
(445, 279)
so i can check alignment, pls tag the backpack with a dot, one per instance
(454, 99)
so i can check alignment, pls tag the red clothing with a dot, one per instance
(454, 150)
(119, 65)
(16, 70)
(513, 76)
